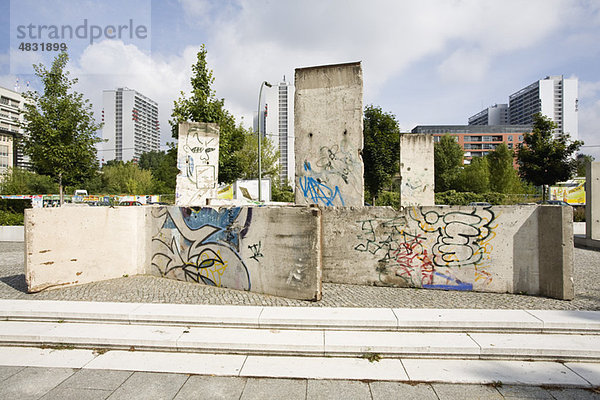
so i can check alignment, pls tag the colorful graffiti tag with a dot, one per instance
(334, 167)
(431, 248)
(202, 245)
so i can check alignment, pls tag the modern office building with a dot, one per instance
(493, 115)
(130, 125)
(277, 123)
(11, 107)
(478, 140)
(554, 97)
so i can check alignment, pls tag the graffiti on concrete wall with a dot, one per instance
(320, 184)
(431, 248)
(198, 158)
(202, 245)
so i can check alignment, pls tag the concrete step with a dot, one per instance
(306, 318)
(292, 342)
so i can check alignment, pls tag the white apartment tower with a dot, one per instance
(493, 115)
(11, 108)
(554, 96)
(277, 123)
(130, 125)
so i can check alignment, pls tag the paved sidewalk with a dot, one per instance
(158, 290)
(45, 383)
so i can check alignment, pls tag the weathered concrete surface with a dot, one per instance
(74, 245)
(12, 233)
(416, 170)
(556, 252)
(487, 249)
(592, 201)
(271, 250)
(328, 115)
(198, 163)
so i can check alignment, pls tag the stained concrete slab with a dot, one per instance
(484, 372)
(100, 379)
(211, 388)
(452, 392)
(588, 371)
(32, 383)
(574, 394)
(210, 364)
(399, 390)
(431, 344)
(329, 389)
(60, 393)
(315, 318)
(36, 357)
(252, 340)
(149, 385)
(524, 392)
(323, 368)
(284, 389)
(8, 371)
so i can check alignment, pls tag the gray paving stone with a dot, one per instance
(399, 390)
(334, 389)
(211, 388)
(7, 372)
(574, 394)
(33, 382)
(274, 389)
(447, 391)
(149, 386)
(524, 392)
(102, 379)
(59, 393)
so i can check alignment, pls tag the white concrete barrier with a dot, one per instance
(12, 233)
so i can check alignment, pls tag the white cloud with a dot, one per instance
(589, 122)
(589, 90)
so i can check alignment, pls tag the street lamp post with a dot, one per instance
(258, 116)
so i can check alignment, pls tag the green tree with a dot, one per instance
(126, 178)
(248, 158)
(545, 159)
(60, 128)
(20, 181)
(163, 166)
(203, 106)
(381, 149)
(448, 156)
(475, 177)
(503, 175)
(581, 160)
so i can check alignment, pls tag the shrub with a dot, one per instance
(8, 218)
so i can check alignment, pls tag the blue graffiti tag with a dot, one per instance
(318, 191)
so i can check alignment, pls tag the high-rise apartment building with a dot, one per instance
(554, 96)
(130, 125)
(11, 107)
(277, 123)
(493, 115)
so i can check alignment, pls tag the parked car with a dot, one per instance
(555, 203)
(480, 203)
(130, 203)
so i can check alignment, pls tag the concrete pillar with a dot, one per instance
(592, 201)
(416, 170)
(198, 163)
(328, 126)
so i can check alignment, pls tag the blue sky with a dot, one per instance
(426, 61)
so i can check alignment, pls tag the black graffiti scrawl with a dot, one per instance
(202, 245)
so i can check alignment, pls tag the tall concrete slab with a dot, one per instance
(416, 170)
(488, 249)
(272, 250)
(75, 245)
(592, 201)
(198, 163)
(328, 129)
